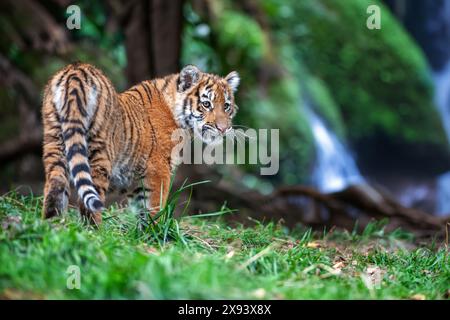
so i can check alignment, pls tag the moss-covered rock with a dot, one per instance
(283, 108)
(379, 78)
(324, 104)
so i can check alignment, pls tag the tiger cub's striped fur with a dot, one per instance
(100, 140)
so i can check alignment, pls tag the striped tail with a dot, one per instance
(75, 102)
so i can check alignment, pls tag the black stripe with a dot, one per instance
(138, 92)
(133, 125)
(73, 121)
(166, 83)
(75, 149)
(93, 152)
(97, 205)
(58, 163)
(81, 84)
(178, 83)
(70, 132)
(81, 167)
(66, 93)
(85, 75)
(52, 154)
(140, 189)
(154, 140)
(89, 192)
(148, 90)
(54, 127)
(128, 129)
(83, 182)
(80, 105)
(88, 198)
(58, 83)
(153, 82)
(208, 86)
(55, 112)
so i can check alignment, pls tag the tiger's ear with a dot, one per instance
(189, 76)
(233, 80)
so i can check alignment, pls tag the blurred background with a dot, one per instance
(364, 115)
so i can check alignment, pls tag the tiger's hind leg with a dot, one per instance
(100, 171)
(139, 200)
(56, 189)
(157, 181)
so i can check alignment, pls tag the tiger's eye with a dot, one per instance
(227, 106)
(206, 104)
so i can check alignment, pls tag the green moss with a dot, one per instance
(282, 108)
(379, 78)
(325, 105)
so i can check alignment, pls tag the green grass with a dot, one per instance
(204, 258)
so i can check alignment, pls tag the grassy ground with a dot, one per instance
(203, 258)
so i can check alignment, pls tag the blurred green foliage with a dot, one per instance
(378, 78)
(315, 54)
(94, 44)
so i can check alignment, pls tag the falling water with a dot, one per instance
(443, 194)
(442, 94)
(335, 167)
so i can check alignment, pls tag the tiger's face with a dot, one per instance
(208, 105)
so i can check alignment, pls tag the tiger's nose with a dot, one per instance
(222, 127)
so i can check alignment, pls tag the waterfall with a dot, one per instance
(443, 194)
(442, 96)
(442, 99)
(335, 167)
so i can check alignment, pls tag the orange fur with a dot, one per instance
(100, 140)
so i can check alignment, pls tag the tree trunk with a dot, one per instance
(152, 37)
(137, 43)
(166, 26)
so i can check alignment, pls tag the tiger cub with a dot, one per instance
(101, 140)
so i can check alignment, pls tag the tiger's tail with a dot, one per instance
(76, 99)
